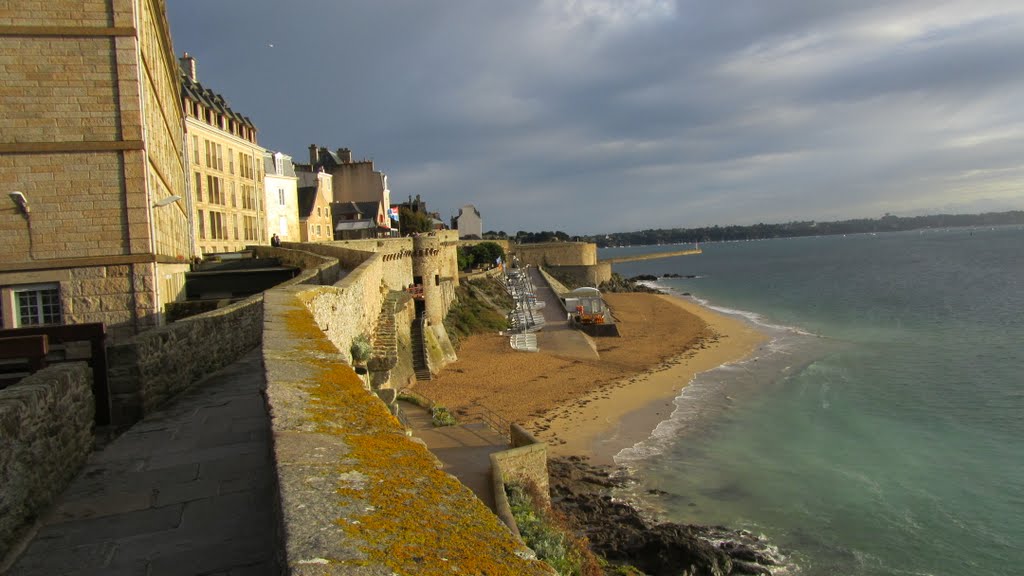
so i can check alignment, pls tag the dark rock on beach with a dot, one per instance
(622, 535)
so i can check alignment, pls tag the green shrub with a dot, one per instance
(549, 535)
(361, 348)
(441, 416)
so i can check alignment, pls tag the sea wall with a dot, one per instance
(358, 496)
(45, 436)
(525, 463)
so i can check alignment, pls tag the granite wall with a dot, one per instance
(45, 436)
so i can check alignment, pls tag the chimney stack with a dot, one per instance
(314, 155)
(188, 65)
(345, 155)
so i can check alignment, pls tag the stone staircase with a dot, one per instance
(419, 352)
(385, 337)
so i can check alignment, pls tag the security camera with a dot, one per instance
(19, 199)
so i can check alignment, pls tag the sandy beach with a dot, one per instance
(595, 407)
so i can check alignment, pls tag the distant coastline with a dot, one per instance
(887, 223)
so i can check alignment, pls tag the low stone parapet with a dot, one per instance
(525, 463)
(45, 436)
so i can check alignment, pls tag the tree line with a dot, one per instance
(761, 231)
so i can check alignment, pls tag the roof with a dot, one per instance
(307, 200)
(270, 167)
(357, 208)
(353, 225)
(195, 91)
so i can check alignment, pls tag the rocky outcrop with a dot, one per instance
(620, 534)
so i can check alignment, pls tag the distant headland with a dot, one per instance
(887, 223)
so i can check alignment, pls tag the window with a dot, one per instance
(199, 187)
(37, 304)
(231, 161)
(195, 149)
(234, 199)
(279, 164)
(219, 158)
(280, 196)
(235, 218)
(202, 226)
(209, 158)
(318, 230)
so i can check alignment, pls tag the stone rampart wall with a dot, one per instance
(152, 367)
(591, 276)
(557, 254)
(525, 463)
(45, 436)
(396, 256)
(350, 307)
(357, 495)
(158, 364)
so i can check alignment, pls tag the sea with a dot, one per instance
(880, 429)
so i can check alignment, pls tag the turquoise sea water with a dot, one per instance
(881, 429)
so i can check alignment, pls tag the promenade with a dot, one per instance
(189, 490)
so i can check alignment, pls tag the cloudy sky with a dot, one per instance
(593, 116)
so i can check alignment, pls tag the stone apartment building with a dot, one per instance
(315, 197)
(282, 200)
(226, 195)
(92, 216)
(468, 222)
(353, 180)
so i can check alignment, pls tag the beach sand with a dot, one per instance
(596, 407)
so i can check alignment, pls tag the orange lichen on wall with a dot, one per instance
(413, 518)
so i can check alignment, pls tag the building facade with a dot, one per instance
(468, 222)
(353, 180)
(226, 194)
(94, 226)
(281, 197)
(315, 197)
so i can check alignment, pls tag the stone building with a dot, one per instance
(93, 223)
(226, 195)
(353, 180)
(469, 223)
(282, 199)
(315, 197)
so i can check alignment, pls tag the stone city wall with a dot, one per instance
(525, 463)
(158, 364)
(152, 367)
(557, 254)
(357, 495)
(45, 436)
(591, 276)
(396, 272)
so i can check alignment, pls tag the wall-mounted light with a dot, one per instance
(166, 201)
(19, 199)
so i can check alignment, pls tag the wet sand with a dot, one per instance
(595, 407)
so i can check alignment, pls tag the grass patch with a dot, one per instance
(481, 307)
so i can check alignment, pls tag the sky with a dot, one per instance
(599, 116)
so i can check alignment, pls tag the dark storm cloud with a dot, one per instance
(602, 115)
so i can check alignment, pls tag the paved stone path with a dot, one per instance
(464, 450)
(190, 490)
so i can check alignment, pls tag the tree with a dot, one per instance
(410, 221)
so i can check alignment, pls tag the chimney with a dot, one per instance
(188, 65)
(345, 155)
(314, 155)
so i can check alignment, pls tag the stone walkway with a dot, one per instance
(464, 450)
(190, 490)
